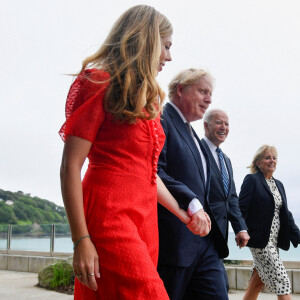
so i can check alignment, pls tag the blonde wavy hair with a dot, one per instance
(259, 155)
(130, 54)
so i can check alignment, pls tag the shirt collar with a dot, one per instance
(211, 145)
(179, 112)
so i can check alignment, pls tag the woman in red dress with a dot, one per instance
(113, 118)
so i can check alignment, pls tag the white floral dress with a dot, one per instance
(266, 261)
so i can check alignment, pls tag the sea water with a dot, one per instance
(235, 253)
(65, 245)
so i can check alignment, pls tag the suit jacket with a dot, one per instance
(180, 168)
(257, 206)
(224, 208)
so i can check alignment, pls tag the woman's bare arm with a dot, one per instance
(85, 259)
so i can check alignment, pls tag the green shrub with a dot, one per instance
(61, 276)
(56, 276)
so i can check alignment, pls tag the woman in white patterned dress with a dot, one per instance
(270, 225)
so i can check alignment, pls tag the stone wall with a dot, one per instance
(28, 263)
(238, 276)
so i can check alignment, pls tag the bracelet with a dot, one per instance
(78, 241)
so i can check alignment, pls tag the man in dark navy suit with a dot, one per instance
(223, 199)
(188, 264)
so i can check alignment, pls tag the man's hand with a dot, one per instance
(200, 223)
(242, 239)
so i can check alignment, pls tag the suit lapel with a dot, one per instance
(281, 191)
(184, 132)
(269, 190)
(265, 183)
(207, 158)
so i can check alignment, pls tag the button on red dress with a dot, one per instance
(119, 192)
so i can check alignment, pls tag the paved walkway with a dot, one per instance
(238, 295)
(22, 285)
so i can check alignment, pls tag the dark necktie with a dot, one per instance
(188, 125)
(224, 174)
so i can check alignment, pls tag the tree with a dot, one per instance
(7, 214)
(19, 210)
(29, 209)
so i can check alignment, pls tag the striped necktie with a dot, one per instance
(224, 174)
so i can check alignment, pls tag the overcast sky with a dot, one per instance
(252, 48)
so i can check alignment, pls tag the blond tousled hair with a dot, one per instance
(259, 155)
(186, 78)
(130, 54)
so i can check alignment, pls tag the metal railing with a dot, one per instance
(38, 239)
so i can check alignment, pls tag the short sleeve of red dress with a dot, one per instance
(84, 106)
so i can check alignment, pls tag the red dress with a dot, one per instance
(120, 193)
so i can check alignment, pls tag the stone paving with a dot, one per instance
(22, 285)
(15, 285)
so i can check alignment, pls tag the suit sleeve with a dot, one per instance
(293, 228)
(246, 195)
(294, 231)
(179, 190)
(235, 216)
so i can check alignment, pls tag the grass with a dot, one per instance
(28, 222)
(61, 276)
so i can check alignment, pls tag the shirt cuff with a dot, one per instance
(242, 231)
(194, 206)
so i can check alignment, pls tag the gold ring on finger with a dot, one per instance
(91, 274)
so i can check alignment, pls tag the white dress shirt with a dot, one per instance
(214, 153)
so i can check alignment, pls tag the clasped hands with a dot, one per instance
(199, 223)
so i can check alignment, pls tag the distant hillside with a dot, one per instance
(20, 208)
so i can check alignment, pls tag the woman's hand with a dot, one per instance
(184, 216)
(86, 263)
(200, 223)
(165, 198)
